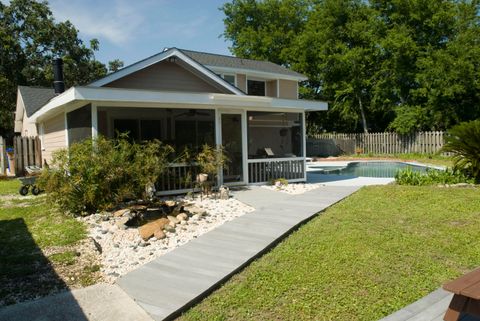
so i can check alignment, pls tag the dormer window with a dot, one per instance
(230, 79)
(256, 88)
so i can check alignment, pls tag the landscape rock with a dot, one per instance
(122, 221)
(173, 219)
(159, 234)
(195, 210)
(138, 207)
(182, 217)
(169, 228)
(122, 212)
(170, 203)
(224, 192)
(146, 231)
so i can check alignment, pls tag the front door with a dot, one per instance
(232, 141)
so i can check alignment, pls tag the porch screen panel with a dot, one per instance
(79, 124)
(275, 135)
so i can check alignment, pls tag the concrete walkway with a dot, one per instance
(100, 302)
(177, 280)
(429, 308)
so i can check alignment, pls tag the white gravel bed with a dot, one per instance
(294, 188)
(123, 250)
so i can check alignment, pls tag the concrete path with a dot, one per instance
(177, 280)
(100, 302)
(429, 308)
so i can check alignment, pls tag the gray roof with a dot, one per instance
(35, 98)
(208, 59)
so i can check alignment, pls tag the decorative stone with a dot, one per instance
(146, 231)
(194, 210)
(122, 212)
(183, 222)
(182, 217)
(121, 222)
(169, 228)
(173, 219)
(159, 234)
(224, 192)
(170, 203)
(172, 224)
(138, 207)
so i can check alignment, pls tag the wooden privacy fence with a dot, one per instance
(378, 143)
(28, 152)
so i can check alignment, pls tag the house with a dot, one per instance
(184, 98)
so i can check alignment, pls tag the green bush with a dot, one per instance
(463, 141)
(430, 177)
(96, 175)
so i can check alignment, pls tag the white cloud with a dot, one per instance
(117, 21)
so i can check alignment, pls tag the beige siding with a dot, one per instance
(242, 82)
(288, 89)
(28, 128)
(54, 136)
(168, 76)
(271, 88)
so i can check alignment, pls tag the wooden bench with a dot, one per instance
(466, 299)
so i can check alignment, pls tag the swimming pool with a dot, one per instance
(365, 169)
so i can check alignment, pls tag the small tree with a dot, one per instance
(463, 141)
(211, 160)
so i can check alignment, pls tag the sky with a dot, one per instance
(136, 29)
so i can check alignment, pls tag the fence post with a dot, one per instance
(3, 154)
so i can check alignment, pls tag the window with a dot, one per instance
(230, 79)
(256, 88)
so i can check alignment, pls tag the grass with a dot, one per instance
(28, 226)
(432, 159)
(9, 186)
(362, 259)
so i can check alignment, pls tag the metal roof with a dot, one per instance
(208, 59)
(35, 97)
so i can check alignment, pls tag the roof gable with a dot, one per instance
(35, 97)
(170, 53)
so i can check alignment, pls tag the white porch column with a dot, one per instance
(304, 133)
(218, 140)
(94, 121)
(245, 146)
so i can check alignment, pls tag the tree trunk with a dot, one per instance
(362, 113)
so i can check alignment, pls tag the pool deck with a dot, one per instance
(431, 307)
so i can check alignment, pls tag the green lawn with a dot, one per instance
(432, 159)
(28, 227)
(364, 258)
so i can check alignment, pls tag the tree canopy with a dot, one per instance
(30, 38)
(400, 65)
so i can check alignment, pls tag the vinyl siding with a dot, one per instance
(288, 89)
(28, 128)
(271, 88)
(242, 82)
(54, 136)
(168, 76)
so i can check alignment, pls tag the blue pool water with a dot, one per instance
(366, 169)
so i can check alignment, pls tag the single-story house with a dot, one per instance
(183, 98)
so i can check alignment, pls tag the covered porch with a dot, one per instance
(263, 137)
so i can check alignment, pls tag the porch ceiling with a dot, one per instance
(78, 96)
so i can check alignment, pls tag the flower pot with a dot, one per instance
(202, 178)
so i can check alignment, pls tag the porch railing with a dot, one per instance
(178, 178)
(265, 169)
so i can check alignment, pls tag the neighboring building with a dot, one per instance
(187, 98)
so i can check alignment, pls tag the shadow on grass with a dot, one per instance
(26, 274)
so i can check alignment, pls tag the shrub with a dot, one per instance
(211, 160)
(96, 175)
(431, 177)
(463, 141)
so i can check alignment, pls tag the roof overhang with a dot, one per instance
(103, 96)
(255, 73)
(173, 52)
